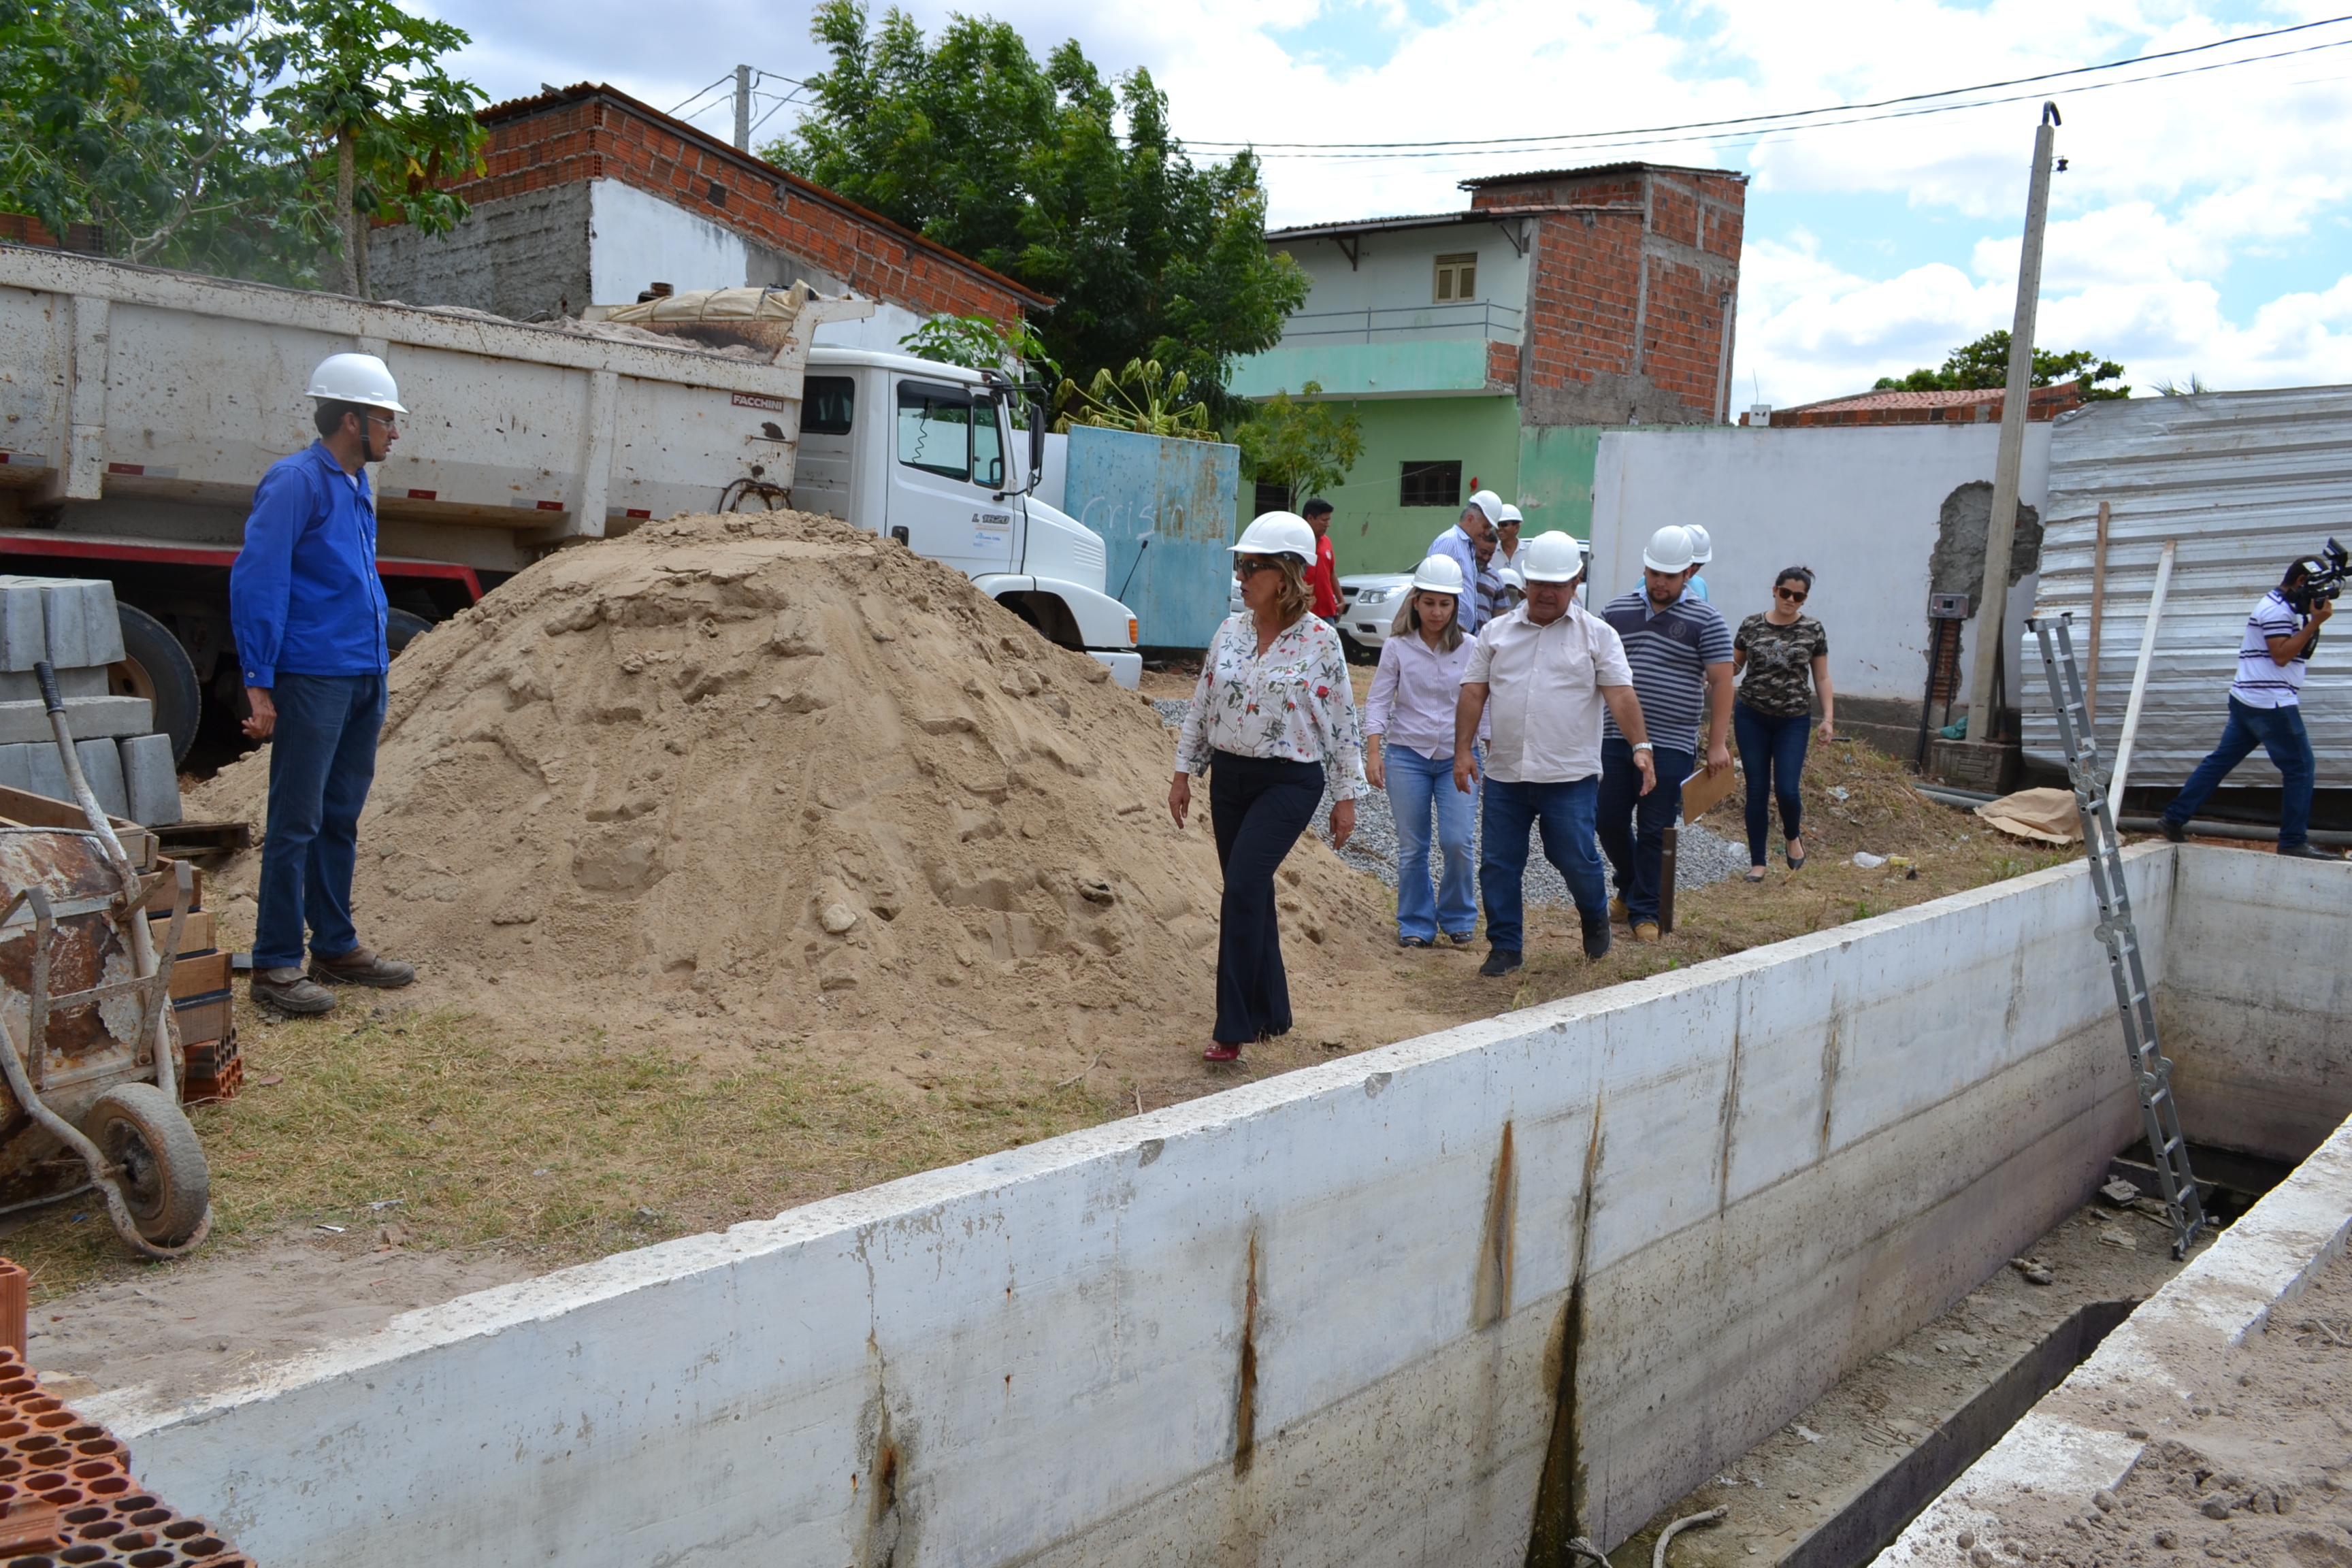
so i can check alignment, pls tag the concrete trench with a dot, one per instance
(1452, 1301)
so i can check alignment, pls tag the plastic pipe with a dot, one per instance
(2140, 679)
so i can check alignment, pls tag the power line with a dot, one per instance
(1518, 145)
(1505, 142)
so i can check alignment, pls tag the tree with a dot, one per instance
(1983, 365)
(143, 119)
(976, 343)
(1026, 170)
(241, 137)
(1303, 447)
(369, 93)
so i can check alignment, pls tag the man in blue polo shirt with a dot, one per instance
(1681, 654)
(308, 612)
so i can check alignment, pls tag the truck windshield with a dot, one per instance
(935, 429)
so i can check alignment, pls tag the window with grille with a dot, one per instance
(1430, 484)
(1272, 497)
(1457, 277)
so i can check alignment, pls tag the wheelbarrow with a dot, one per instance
(89, 1043)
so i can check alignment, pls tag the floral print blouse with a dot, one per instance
(1295, 704)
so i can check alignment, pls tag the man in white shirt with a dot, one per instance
(2266, 710)
(1547, 669)
(1507, 538)
(1458, 544)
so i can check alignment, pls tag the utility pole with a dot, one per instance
(743, 116)
(2000, 531)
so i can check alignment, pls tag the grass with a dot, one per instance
(426, 1122)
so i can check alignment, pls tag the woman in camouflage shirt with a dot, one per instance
(1775, 652)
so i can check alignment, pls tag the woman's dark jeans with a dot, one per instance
(1257, 807)
(1772, 755)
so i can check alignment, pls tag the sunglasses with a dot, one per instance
(1792, 598)
(1248, 566)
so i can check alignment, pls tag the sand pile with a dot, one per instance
(761, 778)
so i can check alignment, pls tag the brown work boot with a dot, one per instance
(291, 991)
(1645, 930)
(361, 967)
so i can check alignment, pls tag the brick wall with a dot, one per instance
(589, 133)
(21, 229)
(1635, 279)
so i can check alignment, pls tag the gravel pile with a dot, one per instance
(1701, 858)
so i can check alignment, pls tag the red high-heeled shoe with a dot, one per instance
(1219, 1051)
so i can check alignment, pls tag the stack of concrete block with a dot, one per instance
(71, 622)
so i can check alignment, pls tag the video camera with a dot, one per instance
(2324, 578)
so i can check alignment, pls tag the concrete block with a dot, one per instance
(23, 642)
(70, 621)
(23, 686)
(101, 764)
(151, 781)
(16, 765)
(91, 718)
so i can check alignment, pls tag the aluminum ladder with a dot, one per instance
(2152, 1069)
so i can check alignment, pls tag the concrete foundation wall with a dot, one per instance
(1537, 1274)
(2257, 1010)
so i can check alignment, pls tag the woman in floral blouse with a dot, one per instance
(1272, 706)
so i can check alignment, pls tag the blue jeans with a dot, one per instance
(1257, 808)
(1416, 787)
(2278, 731)
(1634, 824)
(1565, 813)
(1772, 755)
(322, 761)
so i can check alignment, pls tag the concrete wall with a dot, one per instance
(2257, 1013)
(1536, 1275)
(1860, 507)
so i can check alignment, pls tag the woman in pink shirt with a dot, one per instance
(1409, 726)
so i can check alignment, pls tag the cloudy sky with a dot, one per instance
(2204, 225)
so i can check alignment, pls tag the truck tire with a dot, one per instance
(402, 627)
(155, 666)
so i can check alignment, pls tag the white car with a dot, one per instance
(1369, 602)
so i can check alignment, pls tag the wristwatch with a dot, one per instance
(1644, 746)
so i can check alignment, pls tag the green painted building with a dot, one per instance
(1488, 349)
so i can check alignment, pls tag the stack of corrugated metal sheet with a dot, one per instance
(2245, 482)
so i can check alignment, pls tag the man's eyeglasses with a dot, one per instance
(1793, 598)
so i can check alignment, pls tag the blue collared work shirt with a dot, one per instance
(303, 596)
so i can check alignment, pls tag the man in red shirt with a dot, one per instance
(1324, 575)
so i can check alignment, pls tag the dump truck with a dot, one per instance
(139, 408)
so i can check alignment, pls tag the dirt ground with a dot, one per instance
(1804, 1475)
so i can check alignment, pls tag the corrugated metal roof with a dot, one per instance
(2245, 482)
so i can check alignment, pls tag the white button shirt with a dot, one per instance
(1543, 693)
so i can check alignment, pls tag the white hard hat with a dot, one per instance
(355, 378)
(1670, 550)
(1511, 578)
(1510, 514)
(1438, 574)
(1702, 547)
(1488, 502)
(1277, 534)
(1552, 557)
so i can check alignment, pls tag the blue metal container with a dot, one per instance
(1165, 510)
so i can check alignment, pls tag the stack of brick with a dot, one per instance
(215, 1067)
(67, 1494)
(72, 623)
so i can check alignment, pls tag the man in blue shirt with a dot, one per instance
(308, 611)
(1681, 654)
(1459, 545)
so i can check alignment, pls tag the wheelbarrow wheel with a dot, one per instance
(165, 1185)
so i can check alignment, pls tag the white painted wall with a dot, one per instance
(1396, 269)
(1762, 1171)
(635, 240)
(879, 331)
(1857, 505)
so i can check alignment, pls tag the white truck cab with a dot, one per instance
(944, 459)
